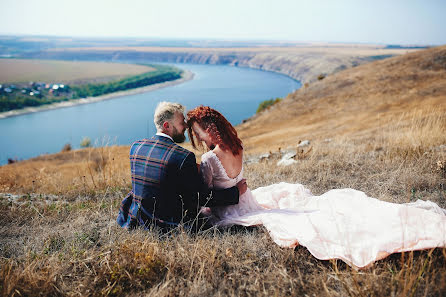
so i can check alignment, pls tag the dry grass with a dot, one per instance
(71, 245)
(69, 173)
(16, 70)
(77, 249)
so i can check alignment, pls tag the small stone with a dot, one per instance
(264, 156)
(286, 162)
(251, 160)
(289, 155)
(303, 143)
(287, 159)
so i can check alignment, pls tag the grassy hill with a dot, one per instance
(369, 101)
(379, 128)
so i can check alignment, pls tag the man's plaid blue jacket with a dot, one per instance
(166, 186)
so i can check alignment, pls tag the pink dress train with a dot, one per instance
(341, 224)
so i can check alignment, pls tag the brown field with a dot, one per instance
(24, 70)
(386, 122)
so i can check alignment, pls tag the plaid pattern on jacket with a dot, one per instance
(166, 186)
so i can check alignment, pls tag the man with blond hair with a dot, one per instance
(167, 189)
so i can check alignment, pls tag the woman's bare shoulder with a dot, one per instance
(232, 164)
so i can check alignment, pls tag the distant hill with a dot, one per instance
(301, 62)
(362, 102)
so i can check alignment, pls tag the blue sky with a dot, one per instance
(379, 21)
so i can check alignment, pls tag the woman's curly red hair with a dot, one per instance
(215, 124)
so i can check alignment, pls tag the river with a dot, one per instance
(235, 92)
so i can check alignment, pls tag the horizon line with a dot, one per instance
(213, 39)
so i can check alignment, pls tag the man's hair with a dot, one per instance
(165, 111)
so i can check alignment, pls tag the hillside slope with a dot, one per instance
(365, 101)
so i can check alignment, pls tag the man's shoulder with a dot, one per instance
(160, 143)
(182, 150)
(169, 144)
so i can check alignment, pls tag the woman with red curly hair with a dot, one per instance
(214, 124)
(222, 166)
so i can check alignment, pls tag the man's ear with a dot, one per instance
(166, 125)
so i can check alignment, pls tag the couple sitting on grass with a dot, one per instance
(169, 189)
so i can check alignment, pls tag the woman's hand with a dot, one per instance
(242, 186)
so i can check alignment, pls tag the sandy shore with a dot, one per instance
(186, 76)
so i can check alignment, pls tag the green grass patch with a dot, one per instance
(267, 103)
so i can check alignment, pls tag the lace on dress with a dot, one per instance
(214, 174)
(216, 177)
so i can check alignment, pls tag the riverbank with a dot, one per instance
(185, 76)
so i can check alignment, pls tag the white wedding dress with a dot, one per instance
(341, 224)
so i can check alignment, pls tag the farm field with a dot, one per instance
(26, 70)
